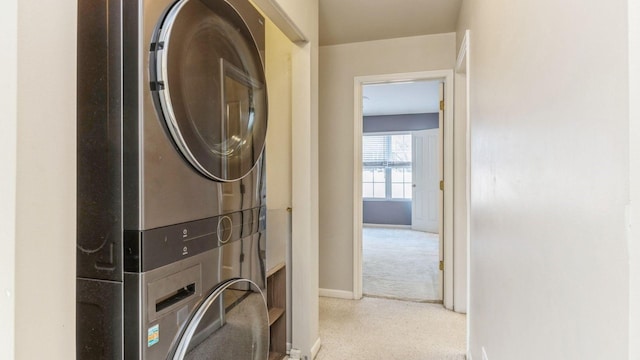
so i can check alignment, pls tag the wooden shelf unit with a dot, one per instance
(276, 302)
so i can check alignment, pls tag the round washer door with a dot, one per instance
(231, 323)
(210, 86)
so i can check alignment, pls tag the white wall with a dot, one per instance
(46, 179)
(634, 178)
(278, 145)
(339, 64)
(460, 195)
(8, 151)
(305, 199)
(304, 183)
(550, 159)
(304, 15)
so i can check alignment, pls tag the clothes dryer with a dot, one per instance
(195, 110)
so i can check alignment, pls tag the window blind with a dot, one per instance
(386, 150)
(375, 150)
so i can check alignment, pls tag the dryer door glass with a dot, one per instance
(210, 85)
(230, 324)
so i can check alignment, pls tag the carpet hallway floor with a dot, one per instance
(400, 264)
(374, 328)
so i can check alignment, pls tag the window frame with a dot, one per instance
(388, 169)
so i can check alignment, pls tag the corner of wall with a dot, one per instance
(633, 231)
(305, 327)
(8, 166)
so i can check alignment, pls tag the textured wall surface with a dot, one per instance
(550, 179)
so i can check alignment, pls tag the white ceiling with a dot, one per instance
(346, 21)
(400, 98)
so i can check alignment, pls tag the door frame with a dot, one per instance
(447, 217)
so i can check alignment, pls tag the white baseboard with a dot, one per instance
(315, 348)
(340, 294)
(387, 226)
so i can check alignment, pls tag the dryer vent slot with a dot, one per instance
(175, 297)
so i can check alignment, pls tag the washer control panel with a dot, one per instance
(151, 249)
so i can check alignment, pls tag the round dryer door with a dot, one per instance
(210, 85)
(230, 324)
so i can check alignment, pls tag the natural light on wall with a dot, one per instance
(386, 166)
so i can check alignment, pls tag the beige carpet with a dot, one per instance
(374, 328)
(400, 264)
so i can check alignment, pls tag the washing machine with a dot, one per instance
(207, 306)
(171, 124)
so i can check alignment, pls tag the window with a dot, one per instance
(386, 170)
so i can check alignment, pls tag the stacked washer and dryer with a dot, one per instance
(172, 119)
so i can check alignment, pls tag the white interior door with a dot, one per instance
(426, 178)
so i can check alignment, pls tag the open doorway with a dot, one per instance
(445, 234)
(401, 199)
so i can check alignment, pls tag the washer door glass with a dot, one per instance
(230, 324)
(210, 85)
